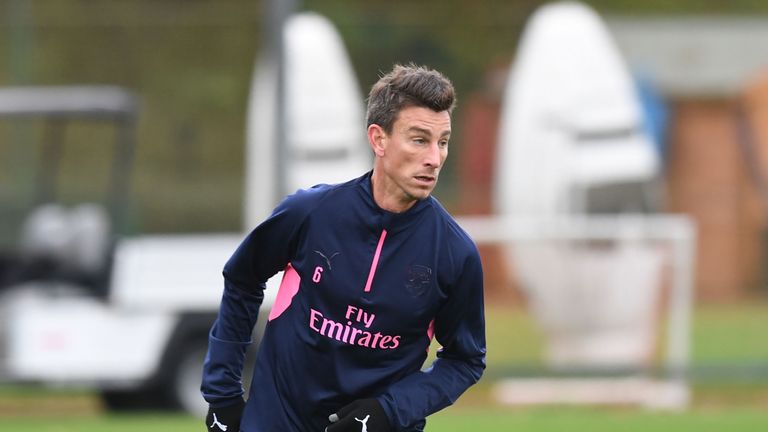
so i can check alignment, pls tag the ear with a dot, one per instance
(377, 139)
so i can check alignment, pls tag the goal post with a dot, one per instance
(609, 292)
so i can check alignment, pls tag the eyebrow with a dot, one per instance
(427, 131)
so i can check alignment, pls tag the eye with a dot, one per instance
(443, 143)
(419, 140)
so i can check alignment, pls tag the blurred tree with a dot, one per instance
(191, 62)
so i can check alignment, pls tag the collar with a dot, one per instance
(391, 221)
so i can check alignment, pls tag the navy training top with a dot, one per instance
(363, 293)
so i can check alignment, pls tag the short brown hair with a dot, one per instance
(407, 86)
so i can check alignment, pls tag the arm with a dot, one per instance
(460, 330)
(264, 252)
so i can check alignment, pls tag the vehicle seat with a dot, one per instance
(68, 244)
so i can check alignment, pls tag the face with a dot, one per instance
(408, 160)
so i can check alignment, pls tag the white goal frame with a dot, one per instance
(671, 389)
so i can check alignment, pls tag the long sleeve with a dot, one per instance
(460, 330)
(264, 252)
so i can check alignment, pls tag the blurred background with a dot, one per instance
(181, 77)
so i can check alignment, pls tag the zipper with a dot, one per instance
(375, 262)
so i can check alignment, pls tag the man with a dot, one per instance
(374, 268)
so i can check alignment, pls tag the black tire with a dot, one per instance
(183, 376)
(176, 385)
(175, 388)
(143, 399)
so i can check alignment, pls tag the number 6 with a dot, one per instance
(317, 275)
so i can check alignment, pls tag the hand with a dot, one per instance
(226, 418)
(362, 415)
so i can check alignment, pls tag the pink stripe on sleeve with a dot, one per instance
(375, 262)
(288, 289)
(430, 332)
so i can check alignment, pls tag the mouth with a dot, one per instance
(425, 179)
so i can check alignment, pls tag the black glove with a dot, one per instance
(226, 418)
(362, 415)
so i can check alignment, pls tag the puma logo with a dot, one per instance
(327, 259)
(364, 421)
(221, 426)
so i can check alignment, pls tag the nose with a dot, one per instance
(434, 155)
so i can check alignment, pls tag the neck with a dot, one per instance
(387, 195)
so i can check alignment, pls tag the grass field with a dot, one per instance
(495, 419)
(726, 338)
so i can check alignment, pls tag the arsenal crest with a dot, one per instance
(418, 279)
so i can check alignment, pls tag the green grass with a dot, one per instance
(720, 334)
(729, 335)
(106, 423)
(562, 419)
(597, 420)
(495, 419)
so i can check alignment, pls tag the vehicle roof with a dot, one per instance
(69, 101)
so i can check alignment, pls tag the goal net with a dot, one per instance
(611, 298)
